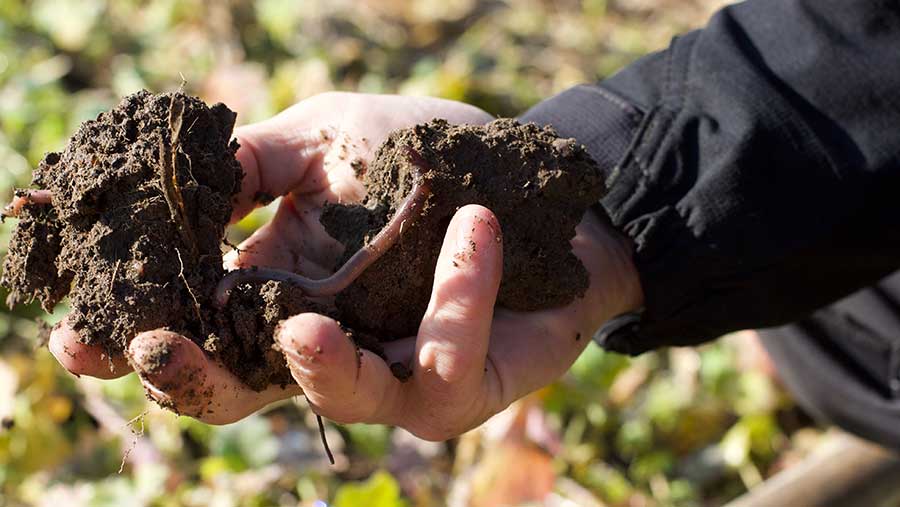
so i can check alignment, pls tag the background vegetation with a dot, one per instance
(675, 428)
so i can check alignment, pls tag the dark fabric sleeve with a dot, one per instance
(755, 164)
(842, 363)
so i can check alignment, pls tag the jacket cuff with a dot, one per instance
(595, 117)
(608, 126)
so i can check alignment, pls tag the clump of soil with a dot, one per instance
(141, 197)
(537, 184)
(244, 339)
(140, 200)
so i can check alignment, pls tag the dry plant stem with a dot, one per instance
(355, 266)
(30, 197)
(168, 159)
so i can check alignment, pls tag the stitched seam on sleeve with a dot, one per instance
(630, 110)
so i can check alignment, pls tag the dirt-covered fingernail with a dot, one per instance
(150, 354)
(300, 362)
(477, 232)
(162, 359)
(303, 340)
(156, 394)
(172, 370)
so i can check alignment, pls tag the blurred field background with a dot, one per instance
(675, 428)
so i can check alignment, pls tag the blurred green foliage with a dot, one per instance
(675, 428)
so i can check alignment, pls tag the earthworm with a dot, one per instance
(409, 210)
(29, 197)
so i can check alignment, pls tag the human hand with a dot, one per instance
(468, 360)
(306, 153)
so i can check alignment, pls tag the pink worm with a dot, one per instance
(30, 197)
(409, 210)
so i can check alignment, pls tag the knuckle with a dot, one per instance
(449, 318)
(449, 308)
(445, 367)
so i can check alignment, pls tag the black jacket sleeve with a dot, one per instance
(755, 164)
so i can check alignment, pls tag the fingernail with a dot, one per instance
(301, 363)
(163, 362)
(465, 233)
(296, 361)
(474, 235)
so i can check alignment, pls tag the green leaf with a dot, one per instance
(598, 368)
(245, 444)
(68, 22)
(381, 490)
(279, 17)
(634, 437)
(609, 483)
(373, 440)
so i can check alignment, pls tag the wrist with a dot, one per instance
(624, 316)
(607, 254)
(632, 291)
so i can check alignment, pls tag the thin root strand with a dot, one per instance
(324, 438)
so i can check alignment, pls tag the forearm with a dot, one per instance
(754, 164)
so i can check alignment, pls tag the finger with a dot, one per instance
(81, 359)
(342, 383)
(453, 336)
(283, 155)
(179, 376)
(276, 158)
(293, 240)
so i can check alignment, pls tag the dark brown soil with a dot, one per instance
(134, 234)
(142, 195)
(538, 185)
(136, 223)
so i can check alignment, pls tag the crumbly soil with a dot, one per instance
(134, 235)
(538, 185)
(142, 195)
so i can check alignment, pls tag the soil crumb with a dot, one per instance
(537, 184)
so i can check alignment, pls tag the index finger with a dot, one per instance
(452, 342)
(277, 158)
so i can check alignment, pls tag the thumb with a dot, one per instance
(453, 337)
(178, 375)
